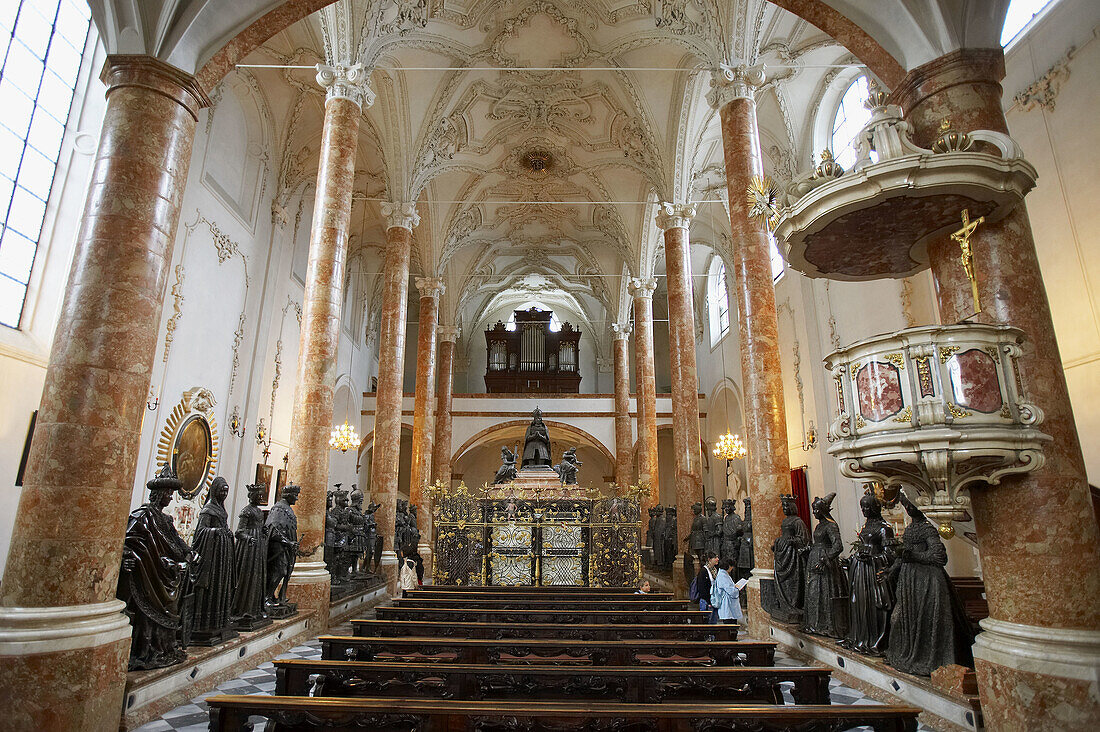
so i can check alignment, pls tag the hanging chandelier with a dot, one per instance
(729, 447)
(343, 438)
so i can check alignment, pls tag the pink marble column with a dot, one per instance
(64, 642)
(769, 470)
(674, 219)
(423, 433)
(645, 375)
(311, 424)
(624, 439)
(1039, 546)
(441, 448)
(400, 219)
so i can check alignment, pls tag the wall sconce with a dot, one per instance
(235, 425)
(152, 401)
(809, 442)
(261, 433)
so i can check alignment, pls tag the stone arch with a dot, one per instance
(561, 427)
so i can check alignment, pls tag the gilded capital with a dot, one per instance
(447, 333)
(643, 286)
(734, 82)
(430, 286)
(621, 331)
(675, 215)
(346, 82)
(399, 214)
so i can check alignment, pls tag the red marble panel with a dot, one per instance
(974, 381)
(878, 390)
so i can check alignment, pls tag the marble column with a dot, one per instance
(624, 439)
(1038, 656)
(423, 433)
(311, 423)
(64, 642)
(441, 448)
(674, 220)
(769, 470)
(645, 376)
(400, 220)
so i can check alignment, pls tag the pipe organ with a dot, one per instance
(532, 359)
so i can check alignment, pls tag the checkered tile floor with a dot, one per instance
(193, 717)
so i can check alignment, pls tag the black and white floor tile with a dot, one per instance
(193, 717)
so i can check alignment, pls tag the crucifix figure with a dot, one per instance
(962, 236)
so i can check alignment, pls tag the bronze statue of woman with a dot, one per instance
(212, 584)
(870, 598)
(789, 550)
(251, 565)
(826, 600)
(928, 627)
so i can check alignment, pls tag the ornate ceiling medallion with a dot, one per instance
(537, 161)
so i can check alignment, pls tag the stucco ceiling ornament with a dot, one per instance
(349, 82)
(734, 82)
(403, 16)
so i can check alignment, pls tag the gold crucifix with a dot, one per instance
(962, 236)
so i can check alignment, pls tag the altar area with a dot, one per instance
(525, 540)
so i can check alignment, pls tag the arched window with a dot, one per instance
(555, 323)
(1019, 16)
(41, 44)
(849, 119)
(718, 301)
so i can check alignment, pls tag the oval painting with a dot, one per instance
(191, 455)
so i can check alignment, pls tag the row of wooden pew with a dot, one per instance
(553, 659)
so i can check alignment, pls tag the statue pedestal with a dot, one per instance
(541, 482)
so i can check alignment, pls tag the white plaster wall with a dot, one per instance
(1063, 144)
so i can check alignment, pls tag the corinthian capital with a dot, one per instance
(675, 215)
(643, 287)
(400, 214)
(345, 82)
(447, 333)
(733, 82)
(430, 286)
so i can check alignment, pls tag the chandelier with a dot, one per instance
(729, 447)
(343, 438)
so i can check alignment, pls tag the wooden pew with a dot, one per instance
(554, 604)
(596, 652)
(428, 593)
(697, 632)
(306, 714)
(559, 589)
(635, 684)
(472, 615)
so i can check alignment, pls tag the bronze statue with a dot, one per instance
(248, 599)
(671, 530)
(826, 597)
(731, 530)
(747, 560)
(372, 560)
(568, 467)
(282, 552)
(870, 598)
(697, 539)
(357, 542)
(154, 562)
(507, 471)
(928, 627)
(712, 526)
(213, 580)
(536, 443)
(789, 550)
(657, 527)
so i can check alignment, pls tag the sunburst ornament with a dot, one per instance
(763, 195)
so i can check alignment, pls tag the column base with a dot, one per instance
(389, 571)
(1038, 679)
(310, 587)
(64, 667)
